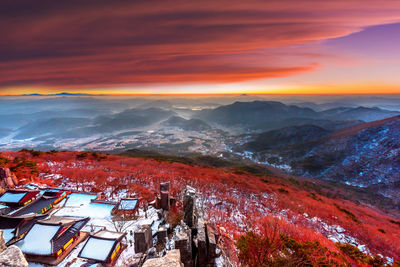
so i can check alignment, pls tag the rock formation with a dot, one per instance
(2, 242)
(13, 257)
(183, 242)
(201, 242)
(162, 235)
(7, 178)
(194, 239)
(189, 206)
(171, 259)
(143, 239)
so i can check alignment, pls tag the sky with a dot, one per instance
(200, 47)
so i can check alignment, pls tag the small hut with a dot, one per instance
(103, 247)
(14, 228)
(127, 207)
(50, 240)
(41, 205)
(18, 198)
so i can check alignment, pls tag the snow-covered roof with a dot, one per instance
(12, 197)
(109, 234)
(93, 210)
(97, 248)
(58, 220)
(127, 204)
(38, 240)
(78, 199)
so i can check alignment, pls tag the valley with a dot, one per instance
(337, 144)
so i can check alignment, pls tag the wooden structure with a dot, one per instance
(41, 205)
(50, 240)
(18, 198)
(14, 228)
(103, 247)
(126, 207)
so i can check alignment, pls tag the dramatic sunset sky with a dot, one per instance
(218, 46)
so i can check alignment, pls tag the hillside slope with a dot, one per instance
(270, 115)
(362, 155)
(235, 200)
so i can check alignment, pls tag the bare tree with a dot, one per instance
(120, 223)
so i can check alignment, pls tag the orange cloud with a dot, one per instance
(107, 43)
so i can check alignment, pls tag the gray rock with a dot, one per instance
(183, 242)
(211, 244)
(136, 261)
(201, 244)
(165, 200)
(171, 259)
(164, 186)
(162, 235)
(2, 242)
(189, 206)
(7, 178)
(143, 239)
(13, 257)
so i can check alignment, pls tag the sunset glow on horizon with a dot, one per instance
(252, 47)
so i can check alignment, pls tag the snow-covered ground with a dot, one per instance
(78, 204)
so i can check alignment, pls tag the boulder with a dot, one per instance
(171, 259)
(2, 242)
(7, 178)
(13, 257)
(136, 260)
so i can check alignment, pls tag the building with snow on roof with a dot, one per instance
(50, 240)
(127, 207)
(18, 198)
(103, 247)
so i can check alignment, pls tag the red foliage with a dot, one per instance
(232, 201)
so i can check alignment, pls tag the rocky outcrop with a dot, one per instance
(206, 244)
(194, 239)
(162, 235)
(171, 259)
(211, 243)
(364, 155)
(183, 242)
(136, 261)
(7, 178)
(201, 242)
(2, 242)
(189, 206)
(165, 200)
(143, 239)
(13, 257)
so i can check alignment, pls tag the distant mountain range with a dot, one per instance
(64, 127)
(364, 155)
(285, 137)
(268, 115)
(349, 144)
(63, 94)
